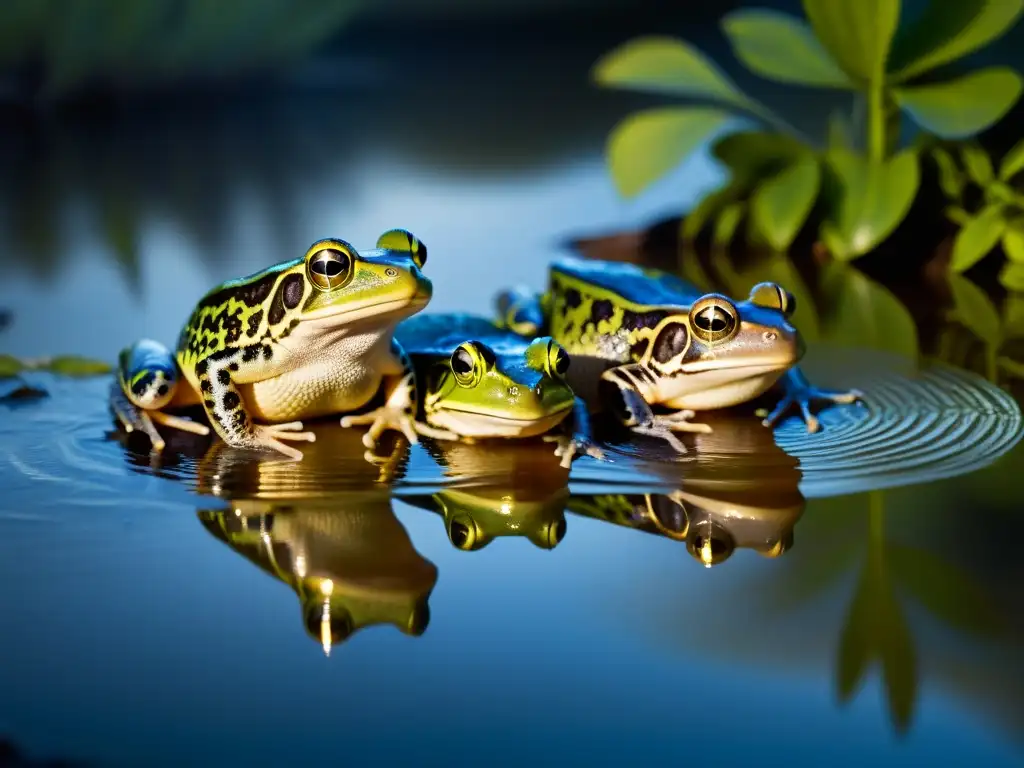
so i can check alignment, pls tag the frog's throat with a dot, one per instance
(755, 368)
(475, 423)
(353, 313)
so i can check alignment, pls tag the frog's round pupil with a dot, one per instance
(462, 361)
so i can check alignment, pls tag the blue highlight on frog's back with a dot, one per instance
(141, 362)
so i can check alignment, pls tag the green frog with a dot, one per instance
(654, 340)
(347, 557)
(306, 338)
(477, 381)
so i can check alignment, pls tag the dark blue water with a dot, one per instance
(862, 604)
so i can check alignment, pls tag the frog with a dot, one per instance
(480, 382)
(659, 342)
(303, 339)
(347, 557)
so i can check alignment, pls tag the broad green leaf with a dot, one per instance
(858, 312)
(964, 106)
(752, 155)
(999, 192)
(857, 33)
(957, 215)
(1013, 244)
(708, 208)
(1013, 162)
(781, 205)
(949, 30)
(10, 366)
(869, 199)
(978, 164)
(978, 238)
(779, 47)
(728, 221)
(951, 180)
(1011, 277)
(974, 309)
(647, 145)
(944, 589)
(666, 65)
(72, 365)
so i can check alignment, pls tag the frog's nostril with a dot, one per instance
(770, 335)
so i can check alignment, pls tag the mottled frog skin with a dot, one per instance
(477, 381)
(663, 343)
(306, 338)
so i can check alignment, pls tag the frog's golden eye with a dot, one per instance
(329, 268)
(713, 319)
(470, 362)
(773, 296)
(464, 534)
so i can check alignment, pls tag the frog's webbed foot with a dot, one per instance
(799, 392)
(270, 436)
(397, 413)
(570, 447)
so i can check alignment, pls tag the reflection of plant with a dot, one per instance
(142, 41)
(777, 179)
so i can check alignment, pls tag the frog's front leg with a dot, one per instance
(797, 390)
(399, 409)
(626, 385)
(580, 442)
(226, 410)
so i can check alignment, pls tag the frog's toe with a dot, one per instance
(665, 433)
(270, 437)
(803, 398)
(381, 420)
(571, 447)
(435, 434)
(680, 422)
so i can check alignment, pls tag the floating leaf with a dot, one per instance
(978, 238)
(858, 312)
(647, 145)
(870, 200)
(779, 47)
(857, 34)
(71, 365)
(978, 164)
(947, 31)
(666, 65)
(752, 155)
(964, 106)
(781, 205)
(1013, 162)
(974, 309)
(10, 366)
(1011, 277)
(1013, 244)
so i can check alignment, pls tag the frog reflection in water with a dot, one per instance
(514, 491)
(303, 339)
(347, 557)
(652, 339)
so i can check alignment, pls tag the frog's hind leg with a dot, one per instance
(798, 391)
(225, 407)
(521, 311)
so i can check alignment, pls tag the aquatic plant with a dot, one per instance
(855, 189)
(149, 41)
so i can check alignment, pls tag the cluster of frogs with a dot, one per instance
(338, 333)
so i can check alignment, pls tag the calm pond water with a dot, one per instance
(863, 599)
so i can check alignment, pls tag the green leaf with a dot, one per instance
(839, 133)
(857, 33)
(1011, 277)
(945, 590)
(951, 180)
(978, 164)
(666, 65)
(781, 205)
(978, 238)
(10, 366)
(1013, 162)
(71, 365)
(858, 312)
(647, 145)
(779, 47)
(870, 199)
(728, 221)
(974, 309)
(753, 155)
(947, 31)
(957, 215)
(1013, 244)
(708, 208)
(964, 106)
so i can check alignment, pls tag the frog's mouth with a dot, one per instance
(475, 423)
(349, 314)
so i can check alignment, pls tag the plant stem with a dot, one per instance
(876, 120)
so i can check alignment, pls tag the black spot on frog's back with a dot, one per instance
(602, 309)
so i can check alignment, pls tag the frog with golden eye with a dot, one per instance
(657, 342)
(303, 339)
